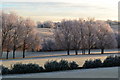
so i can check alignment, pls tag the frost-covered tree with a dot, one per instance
(85, 34)
(8, 45)
(90, 34)
(27, 34)
(63, 35)
(77, 32)
(18, 33)
(34, 42)
(48, 45)
(105, 36)
(8, 24)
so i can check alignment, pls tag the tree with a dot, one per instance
(83, 39)
(48, 45)
(105, 36)
(76, 34)
(27, 34)
(8, 44)
(90, 34)
(8, 24)
(35, 42)
(63, 35)
(48, 24)
(17, 35)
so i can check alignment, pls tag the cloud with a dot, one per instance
(49, 4)
(59, 9)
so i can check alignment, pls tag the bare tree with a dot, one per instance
(90, 34)
(83, 40)
(17, 35)
(27, 34)
(8, 44)
(76, 34)
(8, 24)
(48, 45)
(21, 33)
(63, 35)
(105, 36)
(34, 42)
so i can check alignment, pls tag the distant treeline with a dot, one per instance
(50, 24)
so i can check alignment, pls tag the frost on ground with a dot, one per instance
(84, 73)
(57, 53)
(80, 59)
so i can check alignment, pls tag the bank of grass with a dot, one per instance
(49, 66)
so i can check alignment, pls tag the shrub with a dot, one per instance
(112, 61)
(51, 66)
(56, 66)
(34, 68)
(97, 63)
(73, 65)
(5, 70)
(64, 65)
(92, 63)
(26, 68)
(88, 64)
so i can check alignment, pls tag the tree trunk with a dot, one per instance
(76, 52)
(24, 49)
(14, 53)
(88, 51)
(68, 52)
(102, 51)
(7, 55)
(23, 53)
(83, 51)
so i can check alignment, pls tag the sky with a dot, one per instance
(56, 10)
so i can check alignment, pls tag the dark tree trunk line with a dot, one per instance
(7, 54)
(14, 49)
(76, 51)
(24, 43)
(83, 51)
(89, 51)
(102, 51)
(68, 52)
(68, 47)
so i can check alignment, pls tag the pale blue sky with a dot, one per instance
(56, 10)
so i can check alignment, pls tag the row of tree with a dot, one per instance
(18, 34)
(84, 34)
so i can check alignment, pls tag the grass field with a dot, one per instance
(41, 57)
